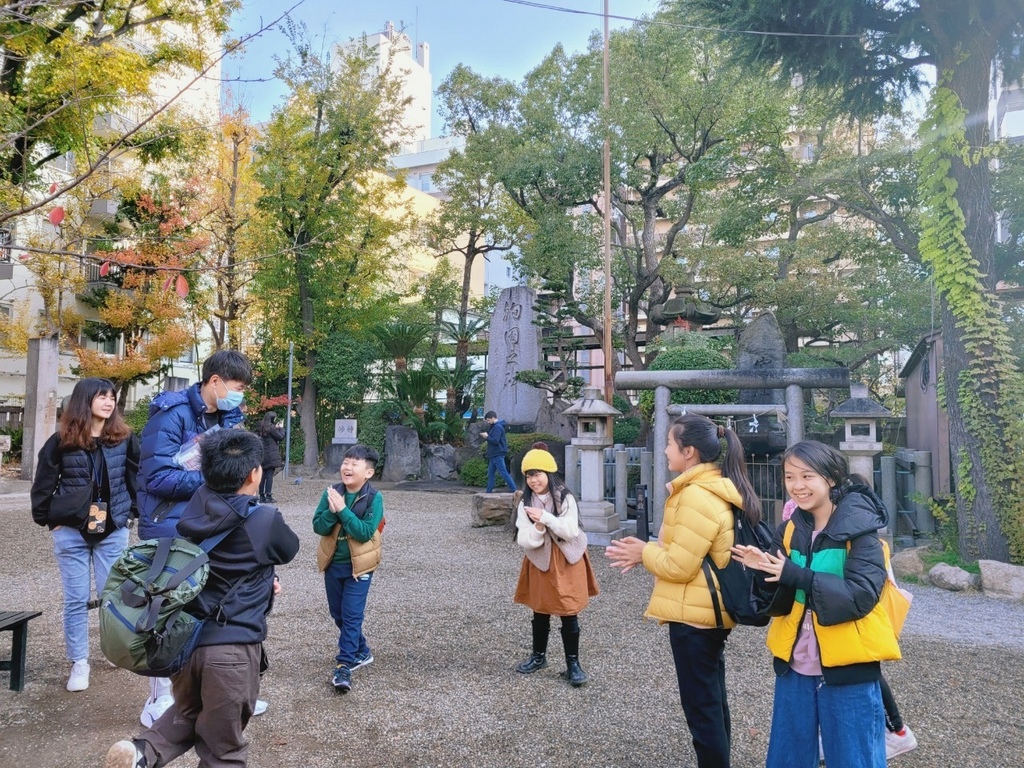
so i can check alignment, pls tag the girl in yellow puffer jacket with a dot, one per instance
(698, 522)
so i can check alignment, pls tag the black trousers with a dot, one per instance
(699, 656)
(267, 483)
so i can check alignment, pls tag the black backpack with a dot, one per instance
(735, 580)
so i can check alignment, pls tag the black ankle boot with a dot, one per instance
(574, 672)
(532, 664)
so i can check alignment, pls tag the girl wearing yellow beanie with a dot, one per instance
(556, 578)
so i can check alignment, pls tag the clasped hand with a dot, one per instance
(766, 562)
(335, 501)
(625, 554)
(534, 513)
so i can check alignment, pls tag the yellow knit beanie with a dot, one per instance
(538, 458)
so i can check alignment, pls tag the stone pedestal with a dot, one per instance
(597, 517)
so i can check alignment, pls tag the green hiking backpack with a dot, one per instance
(144, 627)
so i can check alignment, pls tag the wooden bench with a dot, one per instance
(16, 622)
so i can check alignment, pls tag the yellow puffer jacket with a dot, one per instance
(698, 520)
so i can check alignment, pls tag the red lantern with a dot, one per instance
(104, 269)
(53, 187)
(56, 216)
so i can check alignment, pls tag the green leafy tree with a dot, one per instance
(875, 54)
(64, 64)
(336, 224)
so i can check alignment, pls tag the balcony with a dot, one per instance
(102, 209)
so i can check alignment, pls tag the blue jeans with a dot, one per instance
(75, 557)
(851, 719)
(346, 598)
(497, 464)
(699, 656)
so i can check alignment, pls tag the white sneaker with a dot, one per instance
(899, 742)
(79, 679)
(260, 708)
(154, 709)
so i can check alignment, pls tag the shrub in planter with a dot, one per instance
(474, 473)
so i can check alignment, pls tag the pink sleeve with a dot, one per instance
(788, 509)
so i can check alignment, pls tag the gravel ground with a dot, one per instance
(446, 635)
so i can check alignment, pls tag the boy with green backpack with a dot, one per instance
(237, 597)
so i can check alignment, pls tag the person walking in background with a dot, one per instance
(215, 692)
(497, 451)
(93, 449)
(556, 578)
(698, 522)
(170, 469)
(824, 578)
(272, 436)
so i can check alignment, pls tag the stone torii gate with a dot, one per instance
(793, 380)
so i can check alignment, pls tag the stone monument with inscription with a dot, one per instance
(514, 346)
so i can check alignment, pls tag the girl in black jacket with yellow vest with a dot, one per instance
(93, 449)
(830, 633)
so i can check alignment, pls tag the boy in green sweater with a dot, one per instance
(356, 509)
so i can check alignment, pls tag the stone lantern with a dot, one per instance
(593, 434)
(861, 444)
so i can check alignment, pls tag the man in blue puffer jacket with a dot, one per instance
(176, 421)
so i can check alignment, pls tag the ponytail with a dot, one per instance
(734, 467)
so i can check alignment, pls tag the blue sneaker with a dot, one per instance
(362, 661)
(342, 679)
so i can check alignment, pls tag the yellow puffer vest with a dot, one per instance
(698, 520)
(860, 641)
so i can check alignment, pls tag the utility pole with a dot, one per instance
(606, 346)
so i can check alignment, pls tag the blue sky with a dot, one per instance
(492, 37)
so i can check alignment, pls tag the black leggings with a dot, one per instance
(569, 623)
(267, 483)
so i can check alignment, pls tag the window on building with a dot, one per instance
(106, 347)
(175, 383)
(5, 315)
(6, 239)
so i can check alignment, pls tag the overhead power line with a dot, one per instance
(675, 25)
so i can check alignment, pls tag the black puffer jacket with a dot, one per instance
(242, 563)
(75, 469)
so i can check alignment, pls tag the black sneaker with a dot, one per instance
(342, 679)
(362, 661)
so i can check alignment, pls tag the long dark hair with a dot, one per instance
(556, 486)
(76, 421)
(828, 462)
(269, 420)
(706, 437)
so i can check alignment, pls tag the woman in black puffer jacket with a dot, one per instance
(272, 436)
(94, 449)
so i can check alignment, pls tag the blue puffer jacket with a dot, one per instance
(175, 418)
(74, 469)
